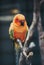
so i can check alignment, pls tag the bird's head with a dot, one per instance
(19, 19)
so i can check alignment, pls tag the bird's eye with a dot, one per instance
(20, 21)
(16, 19)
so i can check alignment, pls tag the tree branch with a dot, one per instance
(34, 22)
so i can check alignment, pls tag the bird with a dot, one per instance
(18, 28)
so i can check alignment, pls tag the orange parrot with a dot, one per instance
(18, 28)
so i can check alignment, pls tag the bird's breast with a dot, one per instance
(20, 33)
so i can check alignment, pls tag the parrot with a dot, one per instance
(18, 28)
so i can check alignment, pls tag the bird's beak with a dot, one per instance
(22, 23)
